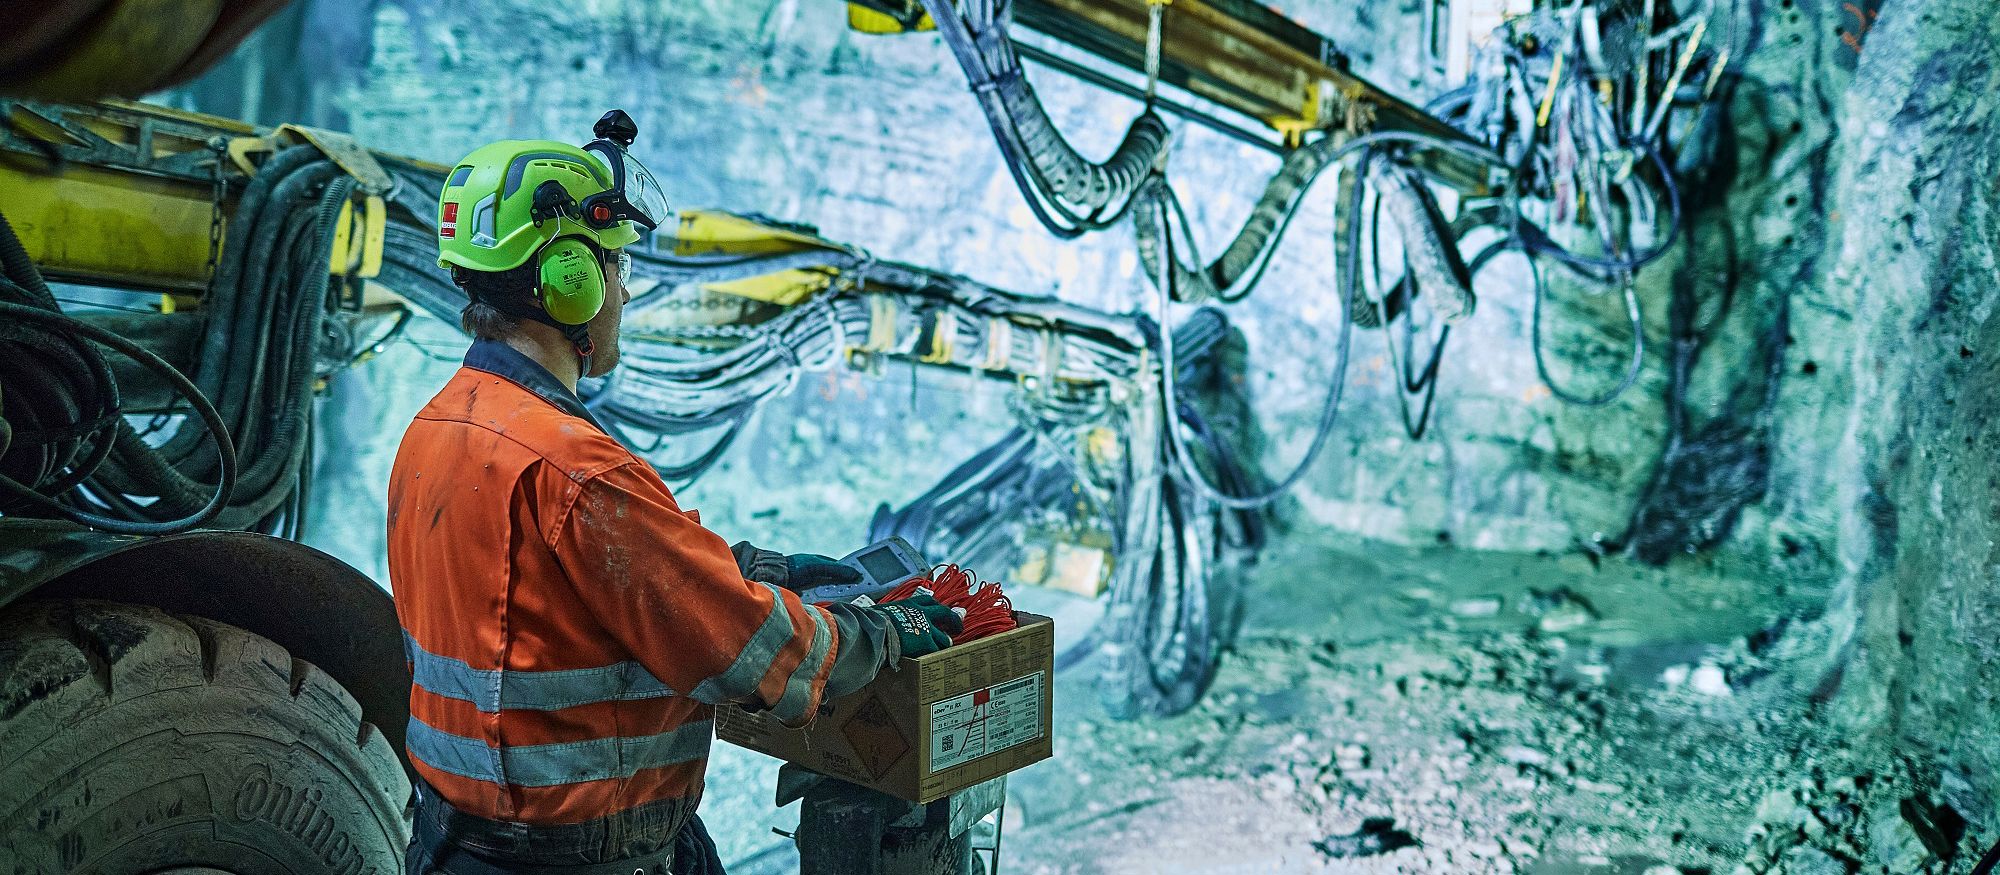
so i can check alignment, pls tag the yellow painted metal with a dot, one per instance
(785, 287)
(375, 230)
(220, 124)
(1243, 68)
(124, 226)
(346, 247)
(357, 238)
(862, 19)
(1294, 129)
(96, 225)
(707, 232)
(346, 152)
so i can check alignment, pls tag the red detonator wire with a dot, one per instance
(986, 609)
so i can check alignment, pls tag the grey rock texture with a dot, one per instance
(772, 106)
(1912, 257)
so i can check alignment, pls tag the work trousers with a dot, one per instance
(447, 842)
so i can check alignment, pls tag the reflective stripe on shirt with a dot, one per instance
(491, 690)
(546, 765)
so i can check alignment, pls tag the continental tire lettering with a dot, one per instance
(251, 798)
(298, 812)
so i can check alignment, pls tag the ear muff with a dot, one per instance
(572, 281)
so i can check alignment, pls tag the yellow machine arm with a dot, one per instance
(1236, 54)
(136, 196)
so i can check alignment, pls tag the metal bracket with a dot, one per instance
(342, 149)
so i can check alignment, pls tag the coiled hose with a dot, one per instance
(1253, 245)
(59, 405)
(255, 369)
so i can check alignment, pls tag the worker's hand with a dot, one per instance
(763, 566)
(797, 572)
(922, 625)
(808, 570)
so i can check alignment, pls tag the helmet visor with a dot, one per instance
(634, 195)
(644, 194)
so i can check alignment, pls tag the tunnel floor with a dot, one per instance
(1392, 709)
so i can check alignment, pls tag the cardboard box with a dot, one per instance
(935, 724)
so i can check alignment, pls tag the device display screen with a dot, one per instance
(884, 566)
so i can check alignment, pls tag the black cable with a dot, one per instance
(254, 367)
(202, 408)
(1634, 317)
(1987, 862)
(1538, 240)
(403, 316)
(1281, 203)
(1102, 193)
(1408, 381)
(1349, 244)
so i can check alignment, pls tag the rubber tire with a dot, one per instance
(133, 741)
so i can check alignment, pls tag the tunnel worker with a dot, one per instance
(569, 627)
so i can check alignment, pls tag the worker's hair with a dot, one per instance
(487, 322)
(483, 320)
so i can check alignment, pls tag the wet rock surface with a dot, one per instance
(1359, 725)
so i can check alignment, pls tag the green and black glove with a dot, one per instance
(799, 571)
(922, 625)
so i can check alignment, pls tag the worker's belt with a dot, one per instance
(636, 841)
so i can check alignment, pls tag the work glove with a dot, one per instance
(808, 570)
(799, 571)
(922, 625)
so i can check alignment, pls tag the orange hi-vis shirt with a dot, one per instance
(569, 628)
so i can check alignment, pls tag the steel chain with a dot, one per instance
(218, 190)
(696, 304)
(744, 332)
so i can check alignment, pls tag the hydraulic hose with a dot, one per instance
(203, 409)
(1634, 316)
(1257, 242)
(1346, 262)
(267, 396)
(1067, 193)
(1614, 267)
(250, 385)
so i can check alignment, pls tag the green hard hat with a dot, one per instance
(487, 213)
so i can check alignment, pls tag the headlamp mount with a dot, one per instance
(615, 133)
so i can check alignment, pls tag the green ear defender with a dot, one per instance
(572, 281)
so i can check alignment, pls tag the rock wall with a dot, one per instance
(1912, 257)
(774, 107)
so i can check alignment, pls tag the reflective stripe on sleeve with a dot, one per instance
(755, 660)
(791, 707)
(548, 765)
(492, 690)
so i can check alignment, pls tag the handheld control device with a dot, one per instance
(884, 565)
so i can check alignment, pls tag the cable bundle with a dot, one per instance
(61, 415)
(985, 609)
(1069, 194)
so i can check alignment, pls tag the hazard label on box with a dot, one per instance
(986, 721)
(872, 733)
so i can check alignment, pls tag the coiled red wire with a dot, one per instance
(987, 609)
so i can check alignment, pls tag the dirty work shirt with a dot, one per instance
(569, 628)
